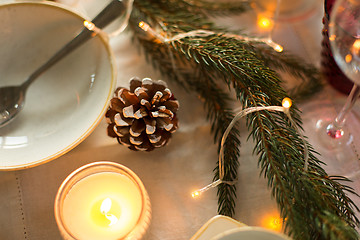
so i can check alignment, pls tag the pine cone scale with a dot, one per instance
(128, 111)
(141, 113)
(172, 105)
(136, 140)
(150, 126)
(110, 130)
(121, 131)
(141, 93)
(135, 83)
(137, 128)
(127, 97)
(153, 138)
(120, 120)
(116, 104)
(145, 103)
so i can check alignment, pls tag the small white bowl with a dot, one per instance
(225, 228)
(250, 233)
(68, 101)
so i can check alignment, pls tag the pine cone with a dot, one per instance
(143, 117)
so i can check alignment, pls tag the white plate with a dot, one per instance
(68, 101)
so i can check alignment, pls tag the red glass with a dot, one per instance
(330, 69)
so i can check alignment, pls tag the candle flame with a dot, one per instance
(105, 208)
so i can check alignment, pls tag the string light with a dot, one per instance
(146, 27)
(355, 50)
(275, 46)
(91, 26)
(356, 44)
(286, 103)
(121, 25)
(285, 108)
(203, 33)
(348, 58)
(273, 221)
(197, 193)
(264, 22)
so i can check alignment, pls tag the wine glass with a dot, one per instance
(344, 37)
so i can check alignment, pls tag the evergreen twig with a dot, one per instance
(314, 205)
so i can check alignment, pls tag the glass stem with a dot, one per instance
(350, 101)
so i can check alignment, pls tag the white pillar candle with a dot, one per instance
(97, 202)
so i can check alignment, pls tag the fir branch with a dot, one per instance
(286, 62)
(216, 103)
(314, 205)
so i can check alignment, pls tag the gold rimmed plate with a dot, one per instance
(68, 101)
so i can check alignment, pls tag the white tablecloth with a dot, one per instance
(171, 173)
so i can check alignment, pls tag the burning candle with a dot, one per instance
(102, 200)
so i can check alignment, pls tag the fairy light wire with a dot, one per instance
(238, 116)
(285, 108)
(271, 43)
(286, 104)
(204, 33)
(276, 19)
